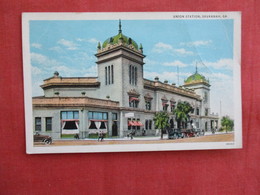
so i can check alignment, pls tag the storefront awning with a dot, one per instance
(139, 123)
(133, 99)
(131, 123)
(135, 123)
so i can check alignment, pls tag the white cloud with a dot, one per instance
(175, 63)
(163, 47)
(149, 63)
(70, 45)
(92, 40)
(36, 45)
(57, 49)
(79, 39)
(225, 63)
(197, 43)
(183, 51)
(35, 70)
(43, 60)
(91, 71)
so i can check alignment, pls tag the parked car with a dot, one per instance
(42, 138)
(175, 134)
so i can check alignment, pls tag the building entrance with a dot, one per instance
(114, 129)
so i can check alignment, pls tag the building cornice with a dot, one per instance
(159, 86)
(116, 47)
(76, 82)
(120, 56)
(74, 102)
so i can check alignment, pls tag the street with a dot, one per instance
(229, 137)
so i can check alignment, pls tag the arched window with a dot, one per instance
(133, 102)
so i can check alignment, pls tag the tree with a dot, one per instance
(227, 123)
(161, 121)
(181, 112)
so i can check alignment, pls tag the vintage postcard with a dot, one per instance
(118, 82)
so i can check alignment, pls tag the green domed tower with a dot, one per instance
(196, 78)
(120, 39)
(120, 69)
(201, 86)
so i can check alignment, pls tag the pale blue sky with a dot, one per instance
(69, 47)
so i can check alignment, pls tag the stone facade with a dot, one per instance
(118, 100)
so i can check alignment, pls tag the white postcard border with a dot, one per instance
(26, 17)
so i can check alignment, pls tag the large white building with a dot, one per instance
(119, 99)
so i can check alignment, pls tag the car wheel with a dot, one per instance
(47, 142)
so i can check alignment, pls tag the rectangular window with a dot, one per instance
(146, 124)
(48, 121)
(150, 124)
(148, 105)
(172, 107)
(198, 111)
(75, 115)
(97, 115)
(138, 127)
(90, 115)
(135, 76)
(114, 116)
(106, 75)
(69, 115)
(104, 115)
(128, 122)
(133, 103)
(112, 74)
(38, 124)
(109, 75)
(206, 111)
(130, 75)
(165, 106)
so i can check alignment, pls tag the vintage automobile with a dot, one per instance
(175, 134)
(193, 132)
(42, 138)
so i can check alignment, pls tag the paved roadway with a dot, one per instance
(223, 137)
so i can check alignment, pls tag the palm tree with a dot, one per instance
(161, 121)
(181, 112)
(227, 123)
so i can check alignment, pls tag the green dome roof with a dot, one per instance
(115, 39)
(120, 37)
(195, 78)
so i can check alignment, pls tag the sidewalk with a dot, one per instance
(145, 138)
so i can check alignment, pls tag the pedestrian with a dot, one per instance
(100, 136)
(76, 136)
